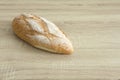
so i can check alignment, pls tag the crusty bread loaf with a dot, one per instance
(41, 33)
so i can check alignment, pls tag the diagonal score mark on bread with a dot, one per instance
(41, 33)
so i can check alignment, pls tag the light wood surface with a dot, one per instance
(93, 27)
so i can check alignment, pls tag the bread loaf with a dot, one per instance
(41, 33)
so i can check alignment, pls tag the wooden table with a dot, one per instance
(93, 26)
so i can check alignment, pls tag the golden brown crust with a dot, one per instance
(23, 29)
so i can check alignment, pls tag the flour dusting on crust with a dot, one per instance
(40, 38)
(35, 26)
(53, 28)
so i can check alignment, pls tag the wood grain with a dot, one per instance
(93, 27)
